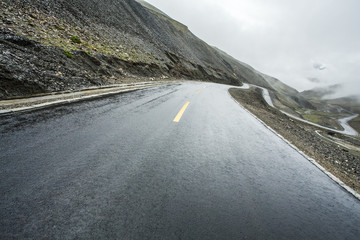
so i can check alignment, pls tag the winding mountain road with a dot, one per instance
(181, 161)
(347, 129)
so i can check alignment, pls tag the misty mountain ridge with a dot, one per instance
(321, 92)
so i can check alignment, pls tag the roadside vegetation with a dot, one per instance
(326, 119)
(68, 54)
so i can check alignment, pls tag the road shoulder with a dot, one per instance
(59, 98)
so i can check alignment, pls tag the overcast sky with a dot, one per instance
(304, 43)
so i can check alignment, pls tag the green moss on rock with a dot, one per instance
(68, 54)
(75, 39)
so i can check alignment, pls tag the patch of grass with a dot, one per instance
(312, 118)
(75, 39)
(68, 54)
(323, 118)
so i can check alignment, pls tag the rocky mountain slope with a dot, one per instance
(62, 45)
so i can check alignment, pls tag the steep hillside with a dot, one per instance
(285, 97)
(280, 86)
(249, 74)
(62, 45)
(152, 8)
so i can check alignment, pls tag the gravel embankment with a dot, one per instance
(338, 160)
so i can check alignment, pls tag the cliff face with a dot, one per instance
(59, 45)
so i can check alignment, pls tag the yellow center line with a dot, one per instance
(179, 115)
(198, 91)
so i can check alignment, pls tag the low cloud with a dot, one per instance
(319, 66)
(335, 87)
(330, 91)
(314, 80)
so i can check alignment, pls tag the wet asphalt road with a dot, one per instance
(120, 168)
